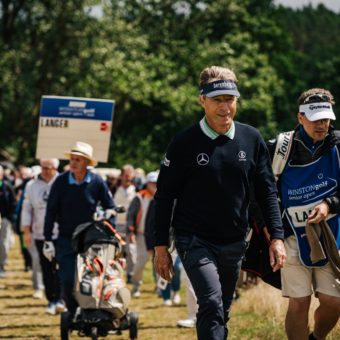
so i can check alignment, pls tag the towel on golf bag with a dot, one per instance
(99, 280)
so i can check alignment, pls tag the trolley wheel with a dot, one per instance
(133, 326)
(64, 325)
(94, 333)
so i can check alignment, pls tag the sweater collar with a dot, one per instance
(212, 134)
(72, 180)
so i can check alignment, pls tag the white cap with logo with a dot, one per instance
(317, 111)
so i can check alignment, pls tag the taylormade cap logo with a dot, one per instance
(315, 107)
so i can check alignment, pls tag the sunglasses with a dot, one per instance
(317, 98)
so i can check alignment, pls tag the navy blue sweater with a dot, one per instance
(211, 181)
(71, 205)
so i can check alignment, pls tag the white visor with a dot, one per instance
(317, 111)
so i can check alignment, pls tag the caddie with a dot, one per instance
(73, 200)
(306, 164)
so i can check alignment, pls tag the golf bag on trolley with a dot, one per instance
(99, 288)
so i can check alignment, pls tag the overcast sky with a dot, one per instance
(331, 4)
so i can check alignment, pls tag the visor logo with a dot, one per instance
(202, 159)
(225, 84)
(315, 107)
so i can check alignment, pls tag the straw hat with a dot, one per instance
(84, 150)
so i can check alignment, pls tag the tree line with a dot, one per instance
(147, 55)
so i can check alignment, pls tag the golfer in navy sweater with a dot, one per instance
(209, 169)
(73, 200)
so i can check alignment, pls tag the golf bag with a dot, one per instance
(99, 280)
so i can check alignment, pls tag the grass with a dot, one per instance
(257, 314)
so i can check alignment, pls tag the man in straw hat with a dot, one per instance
(73, 200)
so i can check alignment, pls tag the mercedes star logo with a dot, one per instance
(202, 159)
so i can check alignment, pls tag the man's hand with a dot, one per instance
(163, 262)
(319, 213)
(277, 254)
(49, 250)
(108, 213)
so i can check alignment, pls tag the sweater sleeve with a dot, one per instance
(132, 215)
(170, 181)
(27, 208)
(266, 192)
(52, 209)
(106, 198)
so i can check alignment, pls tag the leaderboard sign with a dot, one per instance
(66, 120)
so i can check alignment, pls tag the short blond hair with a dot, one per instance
(212, 73)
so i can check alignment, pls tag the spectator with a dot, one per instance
(32, 223)
(7, 207)
(139, 180)
(123, 197)
(112, 180)
(136, 217)
(37, 279)
(24, 175)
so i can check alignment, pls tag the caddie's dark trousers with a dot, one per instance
(213, 271)
(66, 259)
(49, 273)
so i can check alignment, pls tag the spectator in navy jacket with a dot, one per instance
(7, 206)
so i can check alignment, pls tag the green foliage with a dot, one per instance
(314, 33)
(147, 56)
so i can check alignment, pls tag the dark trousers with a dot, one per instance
(25, 253)
(49, 274)
(213, 271)
(66, 259)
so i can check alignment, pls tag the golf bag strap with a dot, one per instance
(114, 231)
(283, 146)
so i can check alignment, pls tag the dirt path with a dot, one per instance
(22, 317)
(257, 315)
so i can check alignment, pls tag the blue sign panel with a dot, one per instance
(78, 108)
